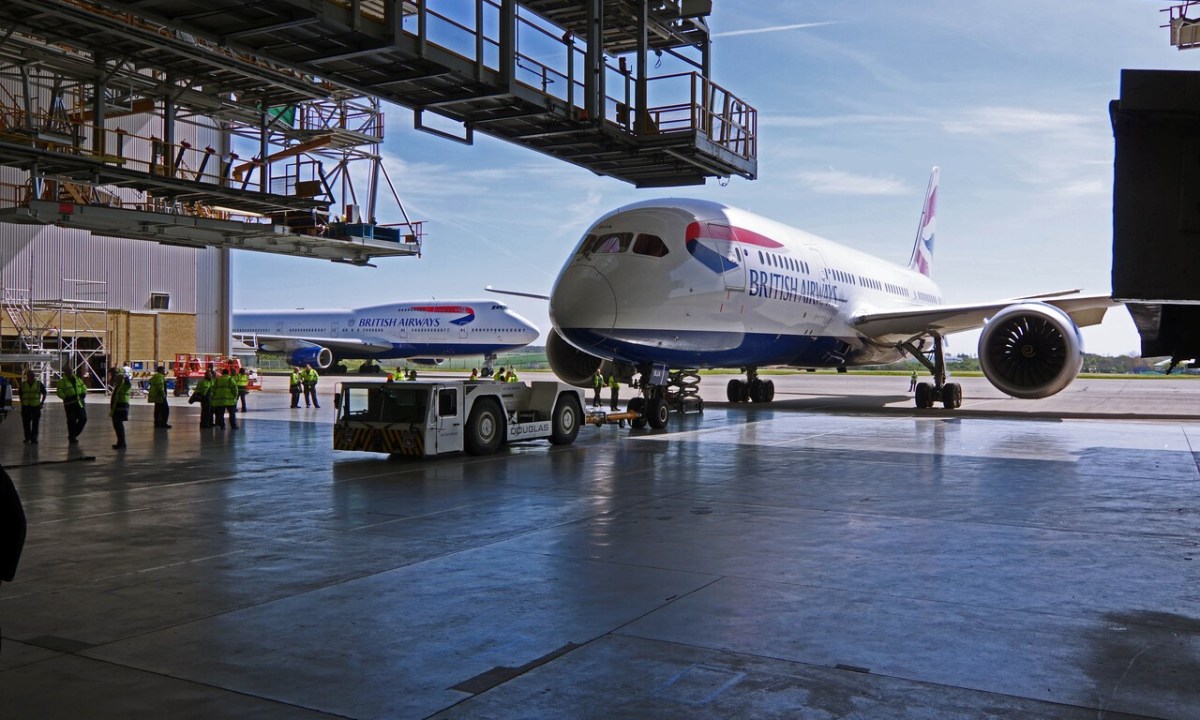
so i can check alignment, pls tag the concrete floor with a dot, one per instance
(837, 555)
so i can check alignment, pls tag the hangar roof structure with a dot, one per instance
(567, 78)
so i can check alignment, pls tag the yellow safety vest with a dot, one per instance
(32, 393)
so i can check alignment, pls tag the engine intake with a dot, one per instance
(1030, 350)
(569, 363)
(315, 355)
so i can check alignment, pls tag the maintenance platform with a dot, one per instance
(837, 554)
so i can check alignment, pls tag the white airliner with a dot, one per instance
(666, 287)
(424, 330)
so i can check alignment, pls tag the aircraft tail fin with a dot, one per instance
(922, 254)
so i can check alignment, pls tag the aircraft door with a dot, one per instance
(448, 421)
(722, 240)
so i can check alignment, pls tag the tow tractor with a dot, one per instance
(427, 418)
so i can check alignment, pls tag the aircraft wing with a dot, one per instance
(1085, 310)
(286, 343)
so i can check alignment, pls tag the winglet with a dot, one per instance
(922, 254)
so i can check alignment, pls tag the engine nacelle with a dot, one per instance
(315, 355)
(1030, 350)
(569, 363)
(427, 361)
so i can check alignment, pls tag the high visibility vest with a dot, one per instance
(122, 392)
(204, 387)
(71, 390)
(32, 393)
(242, 380)
(224, 392)
(294, 380)
(158, 388)
(597, 381)
(309, 376)
(614, 383)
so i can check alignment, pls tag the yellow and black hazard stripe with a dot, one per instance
(383, 440)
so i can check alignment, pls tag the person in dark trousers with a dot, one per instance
(73, 393)
(225, 400)
(203, 395)
(597, 385)
(309, 378)
(157, 394)
(118, 405)
(33, 396)
(295, 387)
(615, 385)
(242, 380)
(12, 528)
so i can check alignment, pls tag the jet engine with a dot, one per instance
(315, 355)
(1030, 350)
(569, 363)
(427, 361)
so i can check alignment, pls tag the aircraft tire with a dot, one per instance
(924, 395)
(757, 391)
(735, 390)
(951, 396)
(637, 405)
(769, 390)
(659, 413)
(485, 428)
(564, 424)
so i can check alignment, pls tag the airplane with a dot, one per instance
(667, 287)
(426, 331)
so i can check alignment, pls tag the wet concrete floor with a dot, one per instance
(836, 555)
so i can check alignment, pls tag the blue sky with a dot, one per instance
(857, 101)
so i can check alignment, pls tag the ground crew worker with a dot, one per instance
(412, 374)
(294, 386)
(499, 376)
(157, 394)
(309, 379)
(615, 386)
(511, 376)
(203, 393)
(224, 399)
(474, 374)
(912, 381)
(73, 392)
(33, 396)
(597, 385)
(118, 404)
(242, 380)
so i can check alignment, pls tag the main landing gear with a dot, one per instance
(752, 389)
(927, 394)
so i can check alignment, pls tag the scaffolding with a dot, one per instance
(48, 334)
(1185, 31)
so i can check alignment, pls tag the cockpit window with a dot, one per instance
(608, 243)
(651, 245)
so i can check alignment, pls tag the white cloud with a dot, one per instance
(838, 182)
(1011, 120)
(772, 28)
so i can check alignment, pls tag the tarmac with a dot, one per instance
(836, 554)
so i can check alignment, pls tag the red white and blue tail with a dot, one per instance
(922, 254)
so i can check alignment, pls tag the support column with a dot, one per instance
(640, 102)
(593, 81)
(508, 43)
(100, 89)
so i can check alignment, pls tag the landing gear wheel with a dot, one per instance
(757, 391)
(924, 395)
(769, 390)
(659, 413)
(485, 429)
(951, 396)
(637, 405)
(735, 390)
(564, 423)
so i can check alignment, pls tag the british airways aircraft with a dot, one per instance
(666, 287)
(424, 330)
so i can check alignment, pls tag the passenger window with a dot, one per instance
(651, 245)
(447, 402)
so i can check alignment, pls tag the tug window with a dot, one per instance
(651, 245)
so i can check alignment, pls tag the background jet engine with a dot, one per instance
(315, 355)
(433, 362)
(1030, 350)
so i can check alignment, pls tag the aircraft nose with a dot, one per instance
(583, 299)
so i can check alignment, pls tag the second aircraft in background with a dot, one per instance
(425, 331)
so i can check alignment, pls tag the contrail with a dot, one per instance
(775, 28)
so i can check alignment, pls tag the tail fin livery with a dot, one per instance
(922, 254)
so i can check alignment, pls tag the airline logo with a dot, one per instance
(713, 245)
(922, 260)
(467, 313)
